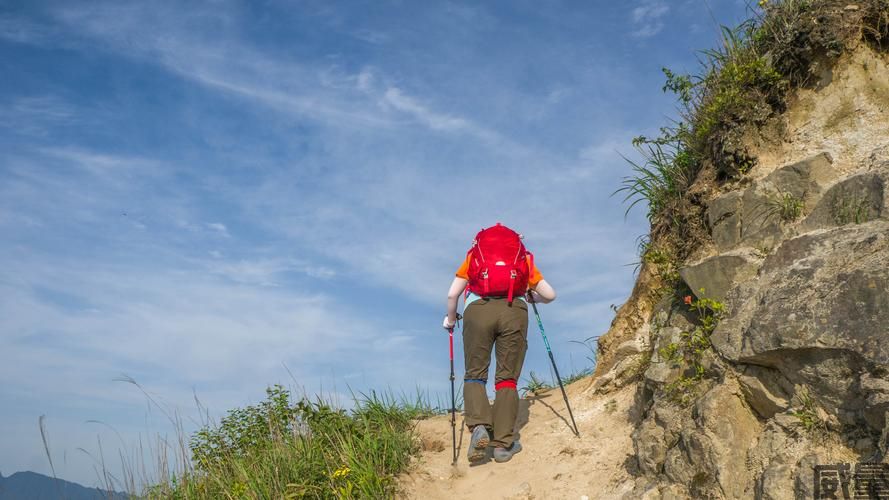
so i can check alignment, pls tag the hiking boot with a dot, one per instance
(478, 443)
(505, 454)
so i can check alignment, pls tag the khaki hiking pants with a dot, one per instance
(494, 323)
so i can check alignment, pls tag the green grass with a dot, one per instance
(303, 449)
(851, 209)
(577, 375)
(805, 411)
(662, 176)
(535, 385)
(786, 207)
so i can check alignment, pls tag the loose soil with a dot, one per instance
(553, 463)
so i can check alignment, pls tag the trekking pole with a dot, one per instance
(453, 399)
(553, 361)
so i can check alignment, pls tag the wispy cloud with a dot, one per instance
(264, 272)
(648, 18)
(436, 121)
(18, 30)
(36, 115)
(310, 90)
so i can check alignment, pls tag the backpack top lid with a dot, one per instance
(499, 233)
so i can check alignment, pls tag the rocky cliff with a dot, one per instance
(762, 350)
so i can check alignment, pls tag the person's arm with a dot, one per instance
(543, 293)
(457, 287)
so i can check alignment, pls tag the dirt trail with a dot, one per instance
(553, 463)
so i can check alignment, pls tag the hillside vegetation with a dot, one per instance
(730, 111)
(282, 448)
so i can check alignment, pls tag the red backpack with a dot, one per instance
(499, 264)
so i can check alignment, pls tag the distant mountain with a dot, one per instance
(34, 486)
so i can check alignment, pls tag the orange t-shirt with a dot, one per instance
(533, 280)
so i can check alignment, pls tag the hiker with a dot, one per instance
(499, 272)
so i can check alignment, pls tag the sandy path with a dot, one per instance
(553, 464)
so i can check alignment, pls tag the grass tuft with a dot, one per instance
(851, 209)
(535, 385)
(784, 207)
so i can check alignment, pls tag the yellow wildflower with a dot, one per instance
(341, 472)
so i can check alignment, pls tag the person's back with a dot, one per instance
(496, 275)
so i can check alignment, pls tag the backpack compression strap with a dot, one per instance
(512, 275)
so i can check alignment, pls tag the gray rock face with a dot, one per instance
(820, 314)
(724, 217)
(802, 179)
(776, 483)
(804, 343)
(763, 391)
(854, 200)
(650, 446)
(717, 275)
(877, 402)
(732, 431)
(750, 218)
(825, 290)
(761, 225)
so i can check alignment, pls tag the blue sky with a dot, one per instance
(196, 195)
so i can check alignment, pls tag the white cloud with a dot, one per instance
(648, 18)
(435, 121)
(219, 228)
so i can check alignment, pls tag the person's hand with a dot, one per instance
(448, 325)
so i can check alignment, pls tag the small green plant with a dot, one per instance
(689, 351)
(535, 385)
(787, 207)
(851, 209)
(611, 406)
(671, 353)
(577, 375)
(591, 344)
(783, 207)
(806, 412)
(666, 266)
(683, 390)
